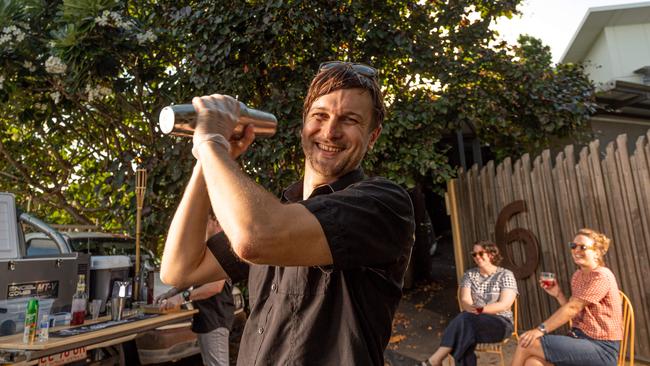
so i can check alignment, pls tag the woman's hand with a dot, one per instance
(553, 290)
(529, 337)
(475, 309)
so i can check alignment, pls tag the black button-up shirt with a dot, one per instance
(339, 314)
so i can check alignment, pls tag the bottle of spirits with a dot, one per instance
(79, 302)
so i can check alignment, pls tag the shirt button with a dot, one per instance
(260, 330)
(274, 287)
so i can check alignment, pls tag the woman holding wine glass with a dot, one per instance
(487, 293)
(594, 307)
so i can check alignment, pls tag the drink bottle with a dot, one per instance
(44, 328)
(79, 302)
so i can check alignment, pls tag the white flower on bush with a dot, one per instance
(40, 106)
(29, 66)
(126, 25)
(2, 80)
(103, 19)
(54, 65)
(97, 92)
(111, 18)
(148, 36)
(56, 97)
(11, 32)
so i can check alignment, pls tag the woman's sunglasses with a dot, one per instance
(479, 253)
(361, 69)
(582, 247)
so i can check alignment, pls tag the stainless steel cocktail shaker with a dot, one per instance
(180, 120)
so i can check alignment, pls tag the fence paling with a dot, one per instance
(610, 194)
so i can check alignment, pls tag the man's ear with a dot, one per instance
(374, 135)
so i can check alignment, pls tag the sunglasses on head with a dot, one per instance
(479, 253)
(582, 247)
(361, 69)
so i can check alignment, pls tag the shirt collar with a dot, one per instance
(293, 193)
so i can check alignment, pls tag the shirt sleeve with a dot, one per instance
(220, 247)
(508, 281)
(466, 281)
(366, 224)
(593, 289)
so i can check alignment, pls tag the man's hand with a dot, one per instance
(169, 293)
(171, 303)
(216, 114)
(238, 145)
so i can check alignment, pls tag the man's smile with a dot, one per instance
(328, 148)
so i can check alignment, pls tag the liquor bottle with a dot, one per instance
(31, 318)
(79, 301)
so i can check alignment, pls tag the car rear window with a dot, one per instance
(104, 246)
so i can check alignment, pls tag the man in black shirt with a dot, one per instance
(213, 322)
(328, 259)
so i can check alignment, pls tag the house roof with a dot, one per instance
(625, 99)
(596, 19)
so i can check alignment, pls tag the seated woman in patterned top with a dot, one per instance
(487, 293)
(594, 306)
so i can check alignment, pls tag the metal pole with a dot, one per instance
(140, 186)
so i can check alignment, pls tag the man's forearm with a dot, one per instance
(185, 248)
(209, 289)
(244, 209)
(259, 227)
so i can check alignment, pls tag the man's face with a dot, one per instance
(336, 133)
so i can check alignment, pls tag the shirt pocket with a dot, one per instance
(306, 281)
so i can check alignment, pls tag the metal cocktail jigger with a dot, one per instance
(180, 120)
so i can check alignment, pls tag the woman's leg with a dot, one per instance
(439, 356)
(534, 361)
(462, 334)
(529, 356)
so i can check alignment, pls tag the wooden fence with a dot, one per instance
(532, 209)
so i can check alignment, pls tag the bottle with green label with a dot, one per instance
(31, 319)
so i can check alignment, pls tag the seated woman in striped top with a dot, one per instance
(594, 306)
(487, 293)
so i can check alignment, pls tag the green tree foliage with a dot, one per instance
(82, 82)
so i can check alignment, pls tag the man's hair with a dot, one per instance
(492, 250)
(343, 76)
(601, 242)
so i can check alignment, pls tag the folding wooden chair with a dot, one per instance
(628, 331)
(497, 347)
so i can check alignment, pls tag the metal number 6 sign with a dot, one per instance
(519, 235)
